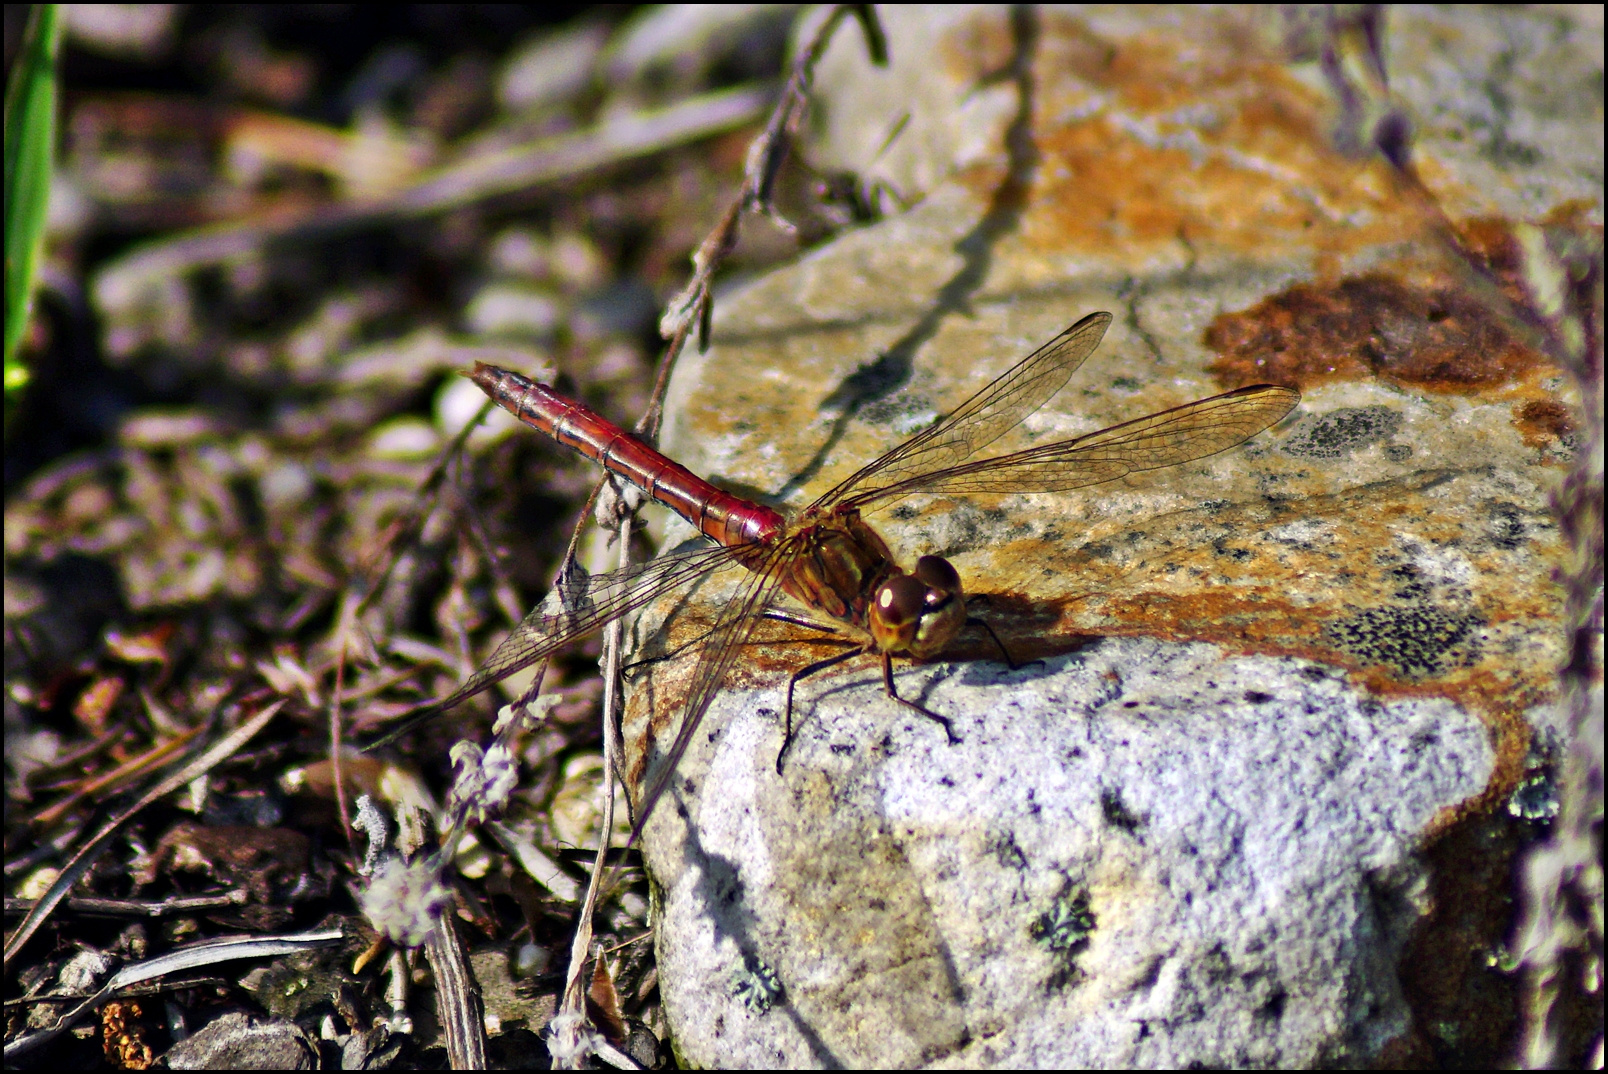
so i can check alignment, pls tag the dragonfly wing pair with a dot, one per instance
(940, 459)
(980, 420)
(1183, 434)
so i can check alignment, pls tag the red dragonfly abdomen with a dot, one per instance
(718, 514)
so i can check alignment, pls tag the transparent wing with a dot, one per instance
(1182, 434)
(579, 604)
(983, 418)
(735, 626)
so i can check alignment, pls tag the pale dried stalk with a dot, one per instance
(1561, 316)
(458, 1003)
(574, 1003)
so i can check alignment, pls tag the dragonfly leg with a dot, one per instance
(804, 673)
(783, 615)
(1006, 653)
(887, 684)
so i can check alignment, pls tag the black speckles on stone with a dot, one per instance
(1216, 965)
(1506, 526)
(1409, 581)
(1273, 1007)
(1108, 689)
(1417, 641)
(1098, 550)
(1222, 548)
(1423, 741)
(1117, 814)
(1503, 151)
(1007, 853)
(1398, 452)
(1340, 432)
(1257, 697)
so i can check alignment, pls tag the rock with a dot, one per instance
(237, 1041)
(1272, 679)
(1209, 860)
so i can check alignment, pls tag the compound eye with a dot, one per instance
(901, 599)
(938, 573)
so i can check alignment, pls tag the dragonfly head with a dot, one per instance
(920, 612)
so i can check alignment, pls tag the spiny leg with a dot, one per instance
(801, 673)
(887, 684)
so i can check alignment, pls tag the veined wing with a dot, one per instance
(1182, 434)
(579, 604)
(983, 418)
(735, 626)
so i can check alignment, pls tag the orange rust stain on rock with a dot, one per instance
(1491, 242)
(1257, 622)
(1438, 338)
(1177, 142)
(1543, 421)
(1097, 184)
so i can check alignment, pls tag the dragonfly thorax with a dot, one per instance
(843, 567)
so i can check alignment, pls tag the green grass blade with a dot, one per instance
(29, 152)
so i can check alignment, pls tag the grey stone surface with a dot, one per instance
(238, 1041)
(1142, 854)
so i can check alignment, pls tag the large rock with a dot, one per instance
(1269, 681)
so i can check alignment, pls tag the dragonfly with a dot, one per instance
(827, 557)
